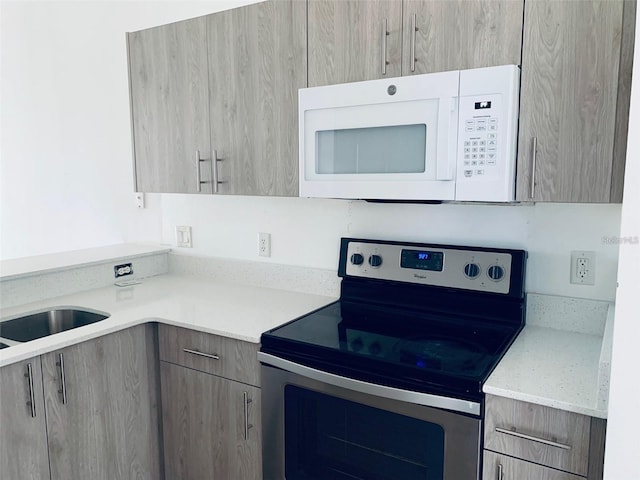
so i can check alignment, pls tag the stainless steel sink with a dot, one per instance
(38, 325)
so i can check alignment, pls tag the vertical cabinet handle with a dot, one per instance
(63, 381)
(385, 34)
(412, 48)
(247, 425)
(534, 154)
(199, 181)
(500, 471)
(31, 402)
(214, 170)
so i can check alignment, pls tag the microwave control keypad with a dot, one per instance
(480, 145)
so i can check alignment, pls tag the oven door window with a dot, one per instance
(328, 438)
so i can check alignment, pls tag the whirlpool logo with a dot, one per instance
(422, 277)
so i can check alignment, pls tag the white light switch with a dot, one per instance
(183, 236)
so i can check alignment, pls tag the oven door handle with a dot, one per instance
(419, 398)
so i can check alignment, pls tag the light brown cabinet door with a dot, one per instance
(102, 413)
(502, 467)
(347, 41)
(520, 429)
(569, 88)
(211, 426)
(448, 35)
(168, 84)
(23, 433)
(257, 63)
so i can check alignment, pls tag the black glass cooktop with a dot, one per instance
(421, 351)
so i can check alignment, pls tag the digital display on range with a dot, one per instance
(422, 260)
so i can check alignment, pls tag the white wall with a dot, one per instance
(66, 179)
(307, 232)
(621, 459)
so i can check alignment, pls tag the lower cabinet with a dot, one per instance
(526, 441)
(502, 467)
(210, 406)
(23, 429)
(211, 426)
(95, 412)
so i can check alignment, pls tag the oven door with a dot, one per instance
(357, 140)
(313, 430)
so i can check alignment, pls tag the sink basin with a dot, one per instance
(38, 325)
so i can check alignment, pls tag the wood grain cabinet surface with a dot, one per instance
(257, 63)
(168, 85)
(226, 357)
(355, 40)
(503, 467)
(210, 406)
(23, 430)
(96, 412)
(226, 86)
(563, 441)
(460, 34)
(574, 100)
(211, 426)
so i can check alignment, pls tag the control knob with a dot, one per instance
(375, 348)
(357, 259)
(471, 270)
(357, 344)
(375, 261)
(495, 272)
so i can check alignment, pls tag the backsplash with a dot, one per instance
(285, 277)
(306, 232)
(32, 288)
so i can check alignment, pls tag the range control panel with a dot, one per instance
(466, 268)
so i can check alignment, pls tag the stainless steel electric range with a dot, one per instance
(386, 383)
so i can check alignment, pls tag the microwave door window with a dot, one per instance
(384, 150)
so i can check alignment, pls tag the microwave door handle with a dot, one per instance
(447, 139)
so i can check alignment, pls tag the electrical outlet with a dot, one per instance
(583, 268)
(183, 236)
(122, 270)
(264, 244)
(139, 199)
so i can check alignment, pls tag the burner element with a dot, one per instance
(441, 353)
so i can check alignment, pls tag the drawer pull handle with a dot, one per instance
(201, 354)
(533, 439)
(500, 473)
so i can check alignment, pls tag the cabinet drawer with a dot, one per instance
(501, 467)
(226, 357)
(543, 435)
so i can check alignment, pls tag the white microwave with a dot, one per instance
(439, 136)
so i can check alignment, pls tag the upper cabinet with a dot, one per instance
(354, 40)
(169, 89)
(576, 67)
(443, 35)
(214, 101)
(257, 63)
(358, 40)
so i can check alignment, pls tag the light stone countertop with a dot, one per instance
(232, 310)
(558, 366)
(561, 359)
